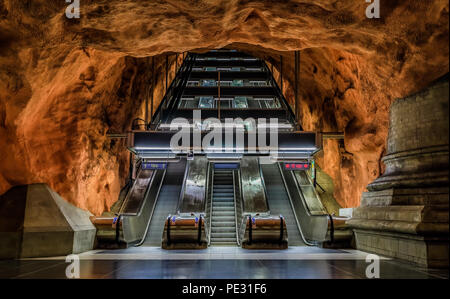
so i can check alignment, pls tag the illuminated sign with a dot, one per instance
(153, 166)
(226, 165)
(297, 166)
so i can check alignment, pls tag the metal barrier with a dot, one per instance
(265, 232)
(186, 229)
(184, 232)
(313, 225)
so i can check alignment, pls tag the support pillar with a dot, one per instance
(281, 74)
(167, 72)
(405, 212)
(146, 106)
(153, 89)
(296, 88)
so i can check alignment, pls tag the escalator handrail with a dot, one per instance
(236, 222)
(264, 188)
(199, 236)
(118, 228)
(144, 198)
(129, 191)
(302, 196)
(305, 205)
(293, 209)
(211, 192)
(153, 209)
(281, 229)
(183, 187)
(168, 231)
(315, 192)
(331, 228)
(250, 230)
(241, 205)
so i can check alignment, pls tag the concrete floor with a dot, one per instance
(216, 262)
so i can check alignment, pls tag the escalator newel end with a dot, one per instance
(168, 231)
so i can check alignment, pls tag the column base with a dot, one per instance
(425, 251)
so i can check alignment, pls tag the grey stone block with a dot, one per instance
(36, 222)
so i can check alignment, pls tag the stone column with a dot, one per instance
(405, 212)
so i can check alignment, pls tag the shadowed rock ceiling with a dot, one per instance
(65, 83)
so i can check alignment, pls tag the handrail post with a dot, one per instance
(281, 229)
(331, 229)
(250, 230)
(168, 231)
(199, 237)
(118, 228)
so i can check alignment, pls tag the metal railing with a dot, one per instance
(135, 227)
(174, 92)
(237, 204)
(302, 213)
(289, 112)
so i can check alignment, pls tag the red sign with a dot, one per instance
(296, 166)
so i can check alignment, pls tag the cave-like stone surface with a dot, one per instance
(65, 83)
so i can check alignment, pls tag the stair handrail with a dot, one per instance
(292, 206)
(153, 208)
(210, 194)
(236, 218)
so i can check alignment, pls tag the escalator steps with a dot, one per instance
(223, 223)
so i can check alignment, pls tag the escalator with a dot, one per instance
(223, 222)
(310, 215)
(135, 197)
(167, 202)
(279, 202)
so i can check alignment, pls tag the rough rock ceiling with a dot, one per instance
(65, 83)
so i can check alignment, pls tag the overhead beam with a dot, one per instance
(296, 86)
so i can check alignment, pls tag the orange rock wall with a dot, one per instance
(65, 83)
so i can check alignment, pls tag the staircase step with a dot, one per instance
(223, 213)
(223, 223)
(225, 229)
(223, 204)
(223, 218)
(224, 235)
(214, 240)
(229, 208)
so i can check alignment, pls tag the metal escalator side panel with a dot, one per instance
(134, 227)
(209, 194)
(237, 204)
(253, 194)
(309, 193)
(312, 227)
(240, 216)
(135, 197)
(167, 202)
(193, 198)
(280, 203)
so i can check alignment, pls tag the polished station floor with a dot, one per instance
(217, 263)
